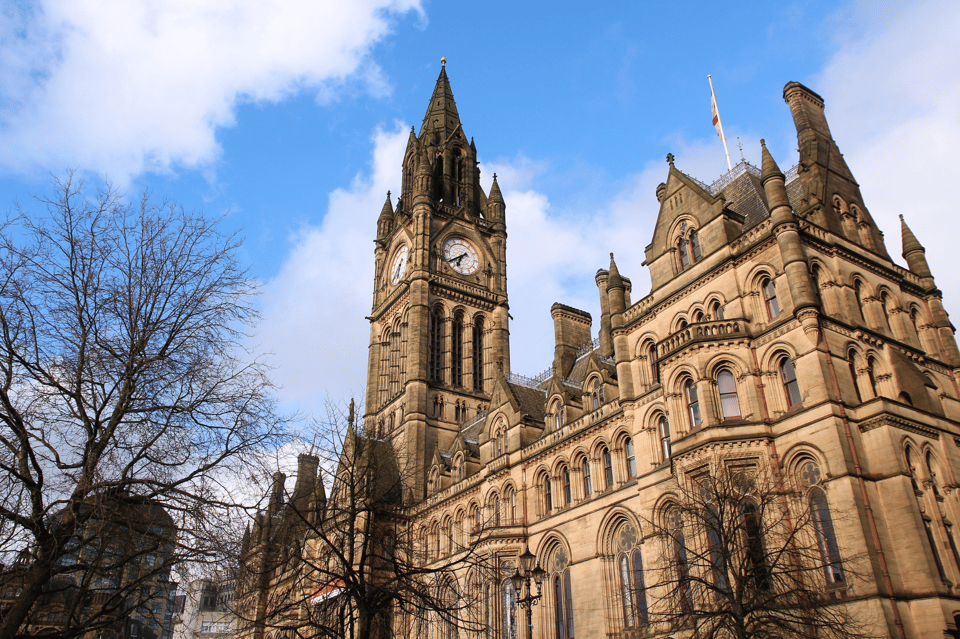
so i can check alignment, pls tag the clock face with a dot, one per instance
(461, 256)
(399, 266)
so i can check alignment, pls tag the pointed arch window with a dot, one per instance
(630, 458)
(559, 415)
(607, 467)
(693, 403)
(770, 297)
(684, 257)
(852, 364)
(681, 563)
(478, 363)
(456, 350)
(754, 546)
(435, 346)
(587, 484)
(567, 488)
(562, 596)
(694, 246)
(871, 375)
(596, 393)
(547, 489)
(664, 428)
(509, 608)
(729, 403)
(633, 592)
(791, 388)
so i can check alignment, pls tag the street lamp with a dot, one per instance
(522, 577)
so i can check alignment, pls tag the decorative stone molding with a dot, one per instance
(903, 424)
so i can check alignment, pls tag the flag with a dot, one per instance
(716, 112)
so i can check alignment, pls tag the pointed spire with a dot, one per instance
(245, 542)
(768, 166)
(613, 278)
(910, 242)
(387, 210)
(495, 194)
(442, 115)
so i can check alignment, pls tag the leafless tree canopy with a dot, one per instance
(123, 381)
(354, 564)
(742, 556)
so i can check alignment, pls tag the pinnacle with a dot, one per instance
(613, 279)
(495, 194)
(768, 166)
(910, 242)
(387, 210)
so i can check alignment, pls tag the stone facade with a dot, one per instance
(777, 333)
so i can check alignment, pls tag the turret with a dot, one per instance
(802, 291)
(276, 494)
(307, 466)
(571, 329)
(385, 221)
(616, 294)
(496, 207)
(914, 253)
(606, 338)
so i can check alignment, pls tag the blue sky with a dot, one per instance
(291, 118)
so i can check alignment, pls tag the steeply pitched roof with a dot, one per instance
(442, 112)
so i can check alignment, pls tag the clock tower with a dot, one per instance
(439, 329)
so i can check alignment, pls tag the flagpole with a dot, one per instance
(717, 123)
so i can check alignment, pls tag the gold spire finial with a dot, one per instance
(443, 60)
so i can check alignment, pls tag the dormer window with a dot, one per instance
(688, 247)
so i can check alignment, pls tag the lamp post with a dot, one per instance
(522, 577)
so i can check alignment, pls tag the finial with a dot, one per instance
(763, 143)
(388, 195)
(494, 176)
(443, 60)
(670, 159)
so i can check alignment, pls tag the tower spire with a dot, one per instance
(442, 116)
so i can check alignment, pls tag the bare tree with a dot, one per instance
(742, 556)
(354, 565)
(124, 388)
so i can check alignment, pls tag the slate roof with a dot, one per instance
(532, 401)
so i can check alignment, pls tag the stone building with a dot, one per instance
(777, 334)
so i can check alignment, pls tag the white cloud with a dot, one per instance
(892, 102)
(124, 86)
(314, 308)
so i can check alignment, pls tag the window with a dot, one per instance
(770, 297)
(596, 393)
(435, 339)
(509, 595)
(753, 546)
(871, 375)
(788, 375)
(587, 487)
(456, 350)
(826, 537)
(851, 362)
(547, 494)
(717, 311)
(630, 458)
(680, 561)
(664, 428)
(567, 492)
(729, 404)
(559, 415)
(478, 354)
(495, 509)
(694, 245)
(607, 467)
(693, 404)
(684, 258)
(562, 596)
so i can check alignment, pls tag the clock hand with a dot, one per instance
(458, 259)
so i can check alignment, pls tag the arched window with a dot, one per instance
(684, 257)
(633, 592)
(680, 561)
(935, 485)
(567, 488)
(753, 545)
(547, 494)
(886, 305)
(562, 595)
(478, 354)
(509, 595)
(694, 246)
(435, 344)
(770, 297)
(852, 364)
(607, 467)
(693, 403)
(788, 376)
(717, 311)
(729, 403)
(596, 393)
(871, 375)
(498, 443)
(858, 294)
(698, 317)
(822, 523)
(456, 350)
(587, 485)
(630, 458)
(559, 414)
(495, 509)
(664, 428)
